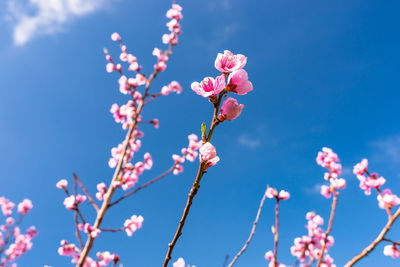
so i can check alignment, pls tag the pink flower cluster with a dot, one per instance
(309, 246)
(386, 199)
(208, 155)
(71, 202)
(92, 231)
(190, 153)
(175, 14)
(328, 159)
(132, 224)
(233, 79)
(273, 193)
(174, 86)
(104, 258)
(12, 242)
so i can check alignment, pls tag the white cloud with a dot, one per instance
(48, 16)
(388, 148)
(247, 141)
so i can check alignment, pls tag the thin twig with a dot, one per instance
(225, 260)
(328, 231)
(96, 207)
(391, 241)
(77, 231)
(251, 233)
(377, 240)
(112, 230)
(196, 184)
(143, 186)
(276, 231)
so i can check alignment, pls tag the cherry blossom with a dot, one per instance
(209, 86)
(239, 83)
(132, 224)
(228, 62)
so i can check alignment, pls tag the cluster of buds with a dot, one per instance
(386, 199)
(132, 224)
(12, 241)
(273, 193)
(329, 160)
(309, 246)
(175, 14)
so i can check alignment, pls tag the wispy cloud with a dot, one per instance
(388, 148)
(248, 141)
(44, 17)
(313, 190)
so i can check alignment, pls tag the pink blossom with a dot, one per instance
(174, 86)
(106, 257)
(326, 191)
(155, 122)
(115, 37)
(239, 83)
(209, 86)
(228, 62)
(391, 250)
(92, 231)
(269, 255)
(208, 154)
(6, 206)
(148, 161)
(132, 224)
(387, 199)
(25, 206)
(101, 188)
(361, 168)
(110, 67)
(62, 184)
(179, 263)
(283, 195)
(69, 202)
(230, 109)
(271, 192)
(338, 183)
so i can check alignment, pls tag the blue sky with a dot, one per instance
(324, 74)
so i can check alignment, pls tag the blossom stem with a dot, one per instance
(377, 240)
(192, 194)
(251, 233)
(276, 231)
(329, 229)
(195, 187)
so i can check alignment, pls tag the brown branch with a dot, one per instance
(251, 233)
(377, 240)
(96, 207)
(192, 194)
(328, 231)
(143, 186)
(111, 189)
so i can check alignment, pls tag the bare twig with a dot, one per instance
(143, 186)
(328, 231)
(112, 230)
(96, 207)
(251, 233)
